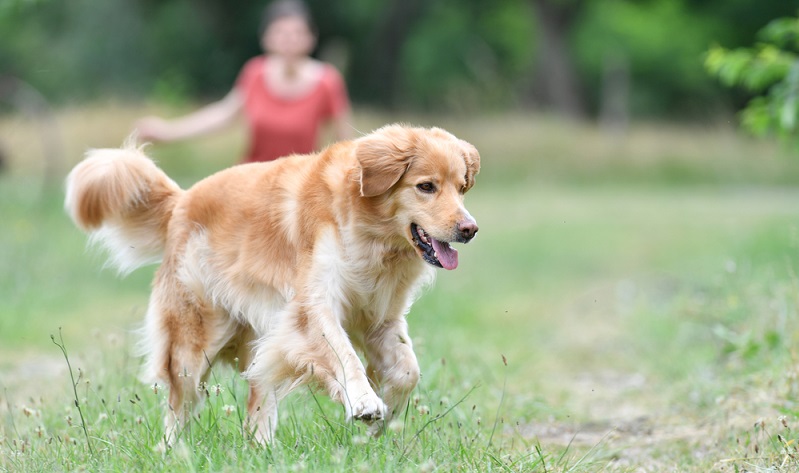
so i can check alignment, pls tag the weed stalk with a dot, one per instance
(60, 344)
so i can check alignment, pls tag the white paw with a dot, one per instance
(376, 429)
(367, 408)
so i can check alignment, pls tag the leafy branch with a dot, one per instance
(770, 69)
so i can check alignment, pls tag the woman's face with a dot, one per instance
(289, 36)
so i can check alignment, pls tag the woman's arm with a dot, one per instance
(209, 118)
(342, 126)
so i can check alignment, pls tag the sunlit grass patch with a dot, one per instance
(112, 422)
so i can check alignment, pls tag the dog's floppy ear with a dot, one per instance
(384, 156)
(472, 158)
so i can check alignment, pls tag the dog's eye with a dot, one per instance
(426, 187)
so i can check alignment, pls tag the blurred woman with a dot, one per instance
(285, 95)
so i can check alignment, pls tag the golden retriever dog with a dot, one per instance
(286, 269)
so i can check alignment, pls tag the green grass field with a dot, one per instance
(630, 305)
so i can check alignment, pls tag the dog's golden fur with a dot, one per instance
(287, 267)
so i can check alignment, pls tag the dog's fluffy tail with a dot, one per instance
(124, 201)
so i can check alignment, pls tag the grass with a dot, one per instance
(124, 431)
(630, 305)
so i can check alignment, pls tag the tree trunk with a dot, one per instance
(379, 68)
(555, 83)
(614, 103)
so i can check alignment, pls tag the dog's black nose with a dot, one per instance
(467, 229)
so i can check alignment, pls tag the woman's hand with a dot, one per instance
(154, 129)
(205, 120)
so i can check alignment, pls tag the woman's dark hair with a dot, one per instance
(283, 8)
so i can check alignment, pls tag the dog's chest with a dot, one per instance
(384, 289)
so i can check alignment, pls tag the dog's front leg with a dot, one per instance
(392, 364)
(336, 365)
(261, 414)
(310, 343)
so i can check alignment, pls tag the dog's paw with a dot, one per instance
(368, 408)
(376, 429)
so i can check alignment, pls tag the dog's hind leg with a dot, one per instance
(262, 402)
(184, 398)
(184, 336)
(185, 364)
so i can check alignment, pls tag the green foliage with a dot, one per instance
(75, 49)
(468, 58)
(661, 41)
(769, 69)
(457, 55)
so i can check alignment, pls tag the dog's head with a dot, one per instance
(421, 175)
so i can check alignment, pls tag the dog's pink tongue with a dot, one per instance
(447, 255)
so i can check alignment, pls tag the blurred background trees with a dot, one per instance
(610, 58)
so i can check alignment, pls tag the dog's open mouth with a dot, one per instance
(436, 252)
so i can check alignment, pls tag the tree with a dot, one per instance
(770, 70)
(556, 79)
(384, 47)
